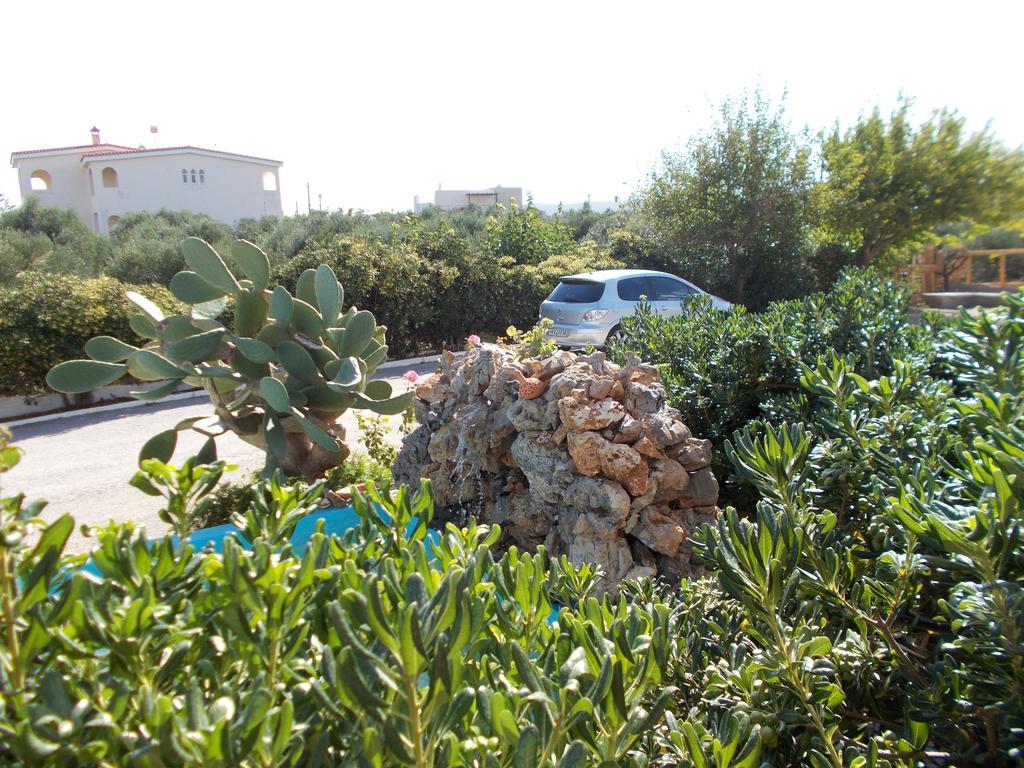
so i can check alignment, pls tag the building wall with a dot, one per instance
(69, 185)
(230, 190)
(449, 199)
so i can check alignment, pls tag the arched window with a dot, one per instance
(109, 177)
(40, 181)
(269, 181)
(184, 176)
(202, 176)
(193, 175)
(113, 221)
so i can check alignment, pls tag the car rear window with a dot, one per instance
(577, 292)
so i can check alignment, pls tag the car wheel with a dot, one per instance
(616, 334)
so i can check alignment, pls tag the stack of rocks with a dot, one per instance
(570, 451)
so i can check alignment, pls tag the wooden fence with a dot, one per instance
(983, 270)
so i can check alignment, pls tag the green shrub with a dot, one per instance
(431, 289)
(374, 649)
(882, 582)
(45, 239)
(870, 614)
(46, 319)
(146, 247)
(722, 369)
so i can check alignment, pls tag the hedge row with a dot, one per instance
(438, 290)
(430, 293)
(47, 318)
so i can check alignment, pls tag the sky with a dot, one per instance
(371, 103)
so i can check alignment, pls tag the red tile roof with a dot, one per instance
(97, 147)
(130, 151)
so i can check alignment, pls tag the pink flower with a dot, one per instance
(410, 376)
(473, 339)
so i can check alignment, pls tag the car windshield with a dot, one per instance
(577, 292)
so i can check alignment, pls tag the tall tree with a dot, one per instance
(889, 182)
(733, 212)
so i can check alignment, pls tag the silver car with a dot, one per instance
(587, 309)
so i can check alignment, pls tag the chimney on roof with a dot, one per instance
(95, 135)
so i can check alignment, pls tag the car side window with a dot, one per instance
(631, 288)
(670, 289)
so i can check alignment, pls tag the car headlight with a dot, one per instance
(594, 314)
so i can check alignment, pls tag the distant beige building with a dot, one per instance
(450, 199)
(102, 182)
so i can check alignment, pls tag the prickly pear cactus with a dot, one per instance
(280, 379)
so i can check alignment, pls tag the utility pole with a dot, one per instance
(309, 202)
(320, 202)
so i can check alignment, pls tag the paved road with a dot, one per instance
(81, 464)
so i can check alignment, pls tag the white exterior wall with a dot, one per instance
(449, 199)
(231, 190)
(69, 185)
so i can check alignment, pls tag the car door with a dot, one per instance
(669, 294)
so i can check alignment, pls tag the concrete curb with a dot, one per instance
(104, 408)
(407, 362)
(391, 365)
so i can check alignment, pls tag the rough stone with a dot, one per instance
(585, 450)
(601, 388)
(597, 467)
(658, 531)
(584, 417)
(672, 480)
(702, 490)
(693, 454)
(645, 447)
(664, 430)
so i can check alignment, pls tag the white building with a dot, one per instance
(450, 199)
(102, 182)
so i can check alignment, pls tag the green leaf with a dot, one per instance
(209, 310)
(378, 389)
(208, 264)
(275, 394)
(390, 407)
(357, 334)
(526, 750)
(305, 287)
(254, 350)
(281, 306)
(156, 393)
(107, 349)
(276, 439)
(574, 756)
(250, 312)
(316, 434)
(144, 326)
(190, 288)
(76, 376)
(328, 294)
(298, 362)
(151, 310)
(306, 319)
(160, 446)
(252, 261)
(208, 453)
(147, 365)
(9, 458)
(197, 348)
(348, 376)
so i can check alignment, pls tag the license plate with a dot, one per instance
(557, 332)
